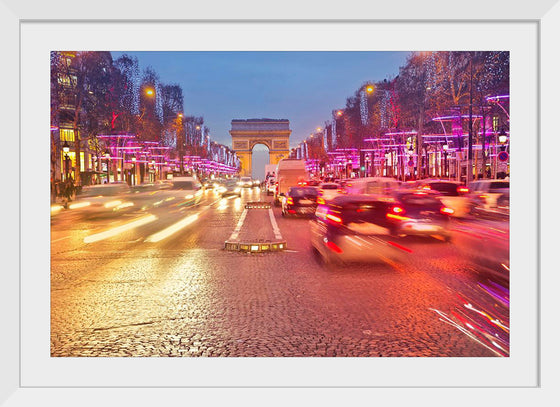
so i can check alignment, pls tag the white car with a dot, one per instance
(246, 182)
(103, 199)
(185, 188)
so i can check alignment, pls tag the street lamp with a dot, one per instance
(502, 138)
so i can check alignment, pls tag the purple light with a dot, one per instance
(497, 97)
(465, 116)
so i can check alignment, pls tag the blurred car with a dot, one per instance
(187, 189)
(218, 182)
(419, 213)
(230, 187)
(490, 195)
(270, 185)
(245, 182)
(453, 194)
(371, 186)
(300, 201)
(256, 183)
(103, 199)
(328, 190)
(355, 228)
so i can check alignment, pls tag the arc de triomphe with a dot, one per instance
(273, 133)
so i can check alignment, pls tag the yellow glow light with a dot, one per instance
(56, 208)
(119, 229)
(112, 204)
(79, 205)
(172, 229)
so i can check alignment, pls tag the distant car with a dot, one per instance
(452, 194)
(246, 182)
(419, 213)
(328, 190)
(185, 188)
(355, 228)
(300, 201)
(270, 185)
(490, 193)
(230, 187)
(103, 199)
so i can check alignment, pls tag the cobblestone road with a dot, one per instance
(186, 296)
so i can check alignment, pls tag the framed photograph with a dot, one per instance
(73, 333)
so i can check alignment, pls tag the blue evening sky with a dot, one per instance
(303, 87)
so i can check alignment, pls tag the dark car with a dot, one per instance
(300, 201)
(356, 228)
(420, 213)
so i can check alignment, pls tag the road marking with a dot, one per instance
(275, 228)
(237, 229)
(119, 229)
(156, 237)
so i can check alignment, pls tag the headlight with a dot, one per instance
(237, 189)
(189, 196)
(240, 183)
(198, 193)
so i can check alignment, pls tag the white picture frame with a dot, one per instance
(546, 15)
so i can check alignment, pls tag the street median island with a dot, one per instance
(256, 230)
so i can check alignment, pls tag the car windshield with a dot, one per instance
(415, 203)
(358, 212)
(186, 185)
(302, 192)
(445, 188)
(499, 185)
(329, 186)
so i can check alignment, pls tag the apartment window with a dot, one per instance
(495, 123)
(66, 135)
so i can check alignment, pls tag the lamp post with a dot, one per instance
(368, 90)
(66, 150)
(108, 158)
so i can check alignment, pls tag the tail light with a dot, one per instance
(334, 218)
(426, 187)
(462, 190)
(290, 200)
(446, 211)
(320, 192)
(397, 213)
(333, 247)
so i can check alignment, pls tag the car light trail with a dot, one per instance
(79, 205)
(56, 208)
(112, 204)
(119, 229)
(172, 229)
